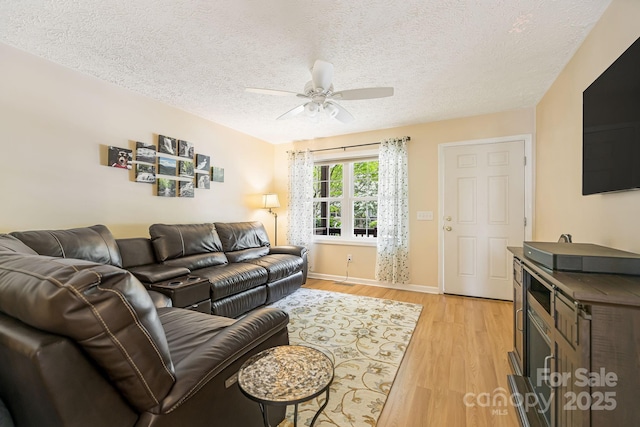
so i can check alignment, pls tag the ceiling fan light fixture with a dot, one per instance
(332, 110)
(311, 109)
(320, 94)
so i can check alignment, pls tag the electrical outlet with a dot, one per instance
(349, 258)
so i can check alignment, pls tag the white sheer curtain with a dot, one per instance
(392, 262)
(300, 230)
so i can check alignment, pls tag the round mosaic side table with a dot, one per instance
(286, 375)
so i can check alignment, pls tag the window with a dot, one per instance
(345, 201)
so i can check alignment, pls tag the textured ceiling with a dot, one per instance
(445, 58)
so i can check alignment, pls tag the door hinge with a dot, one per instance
(525, 160)
(525, 221)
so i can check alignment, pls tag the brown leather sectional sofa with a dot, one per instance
(83, 342)
(242, 269)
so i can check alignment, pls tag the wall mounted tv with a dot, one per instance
(611, 127)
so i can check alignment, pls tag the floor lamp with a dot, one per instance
(271, 201)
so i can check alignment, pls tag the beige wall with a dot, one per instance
(605, 219)
(56, 124)
(330, 259)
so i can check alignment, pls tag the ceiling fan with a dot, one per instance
(321, 96)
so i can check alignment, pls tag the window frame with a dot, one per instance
(347, 198)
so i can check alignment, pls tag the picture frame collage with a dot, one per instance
(174, 166)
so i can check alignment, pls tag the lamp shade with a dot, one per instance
(271, 201)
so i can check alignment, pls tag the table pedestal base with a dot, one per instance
(265, 413)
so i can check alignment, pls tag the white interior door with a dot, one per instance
(483, 213)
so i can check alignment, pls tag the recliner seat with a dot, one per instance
(244, 271)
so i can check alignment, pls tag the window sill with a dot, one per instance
(345, 241)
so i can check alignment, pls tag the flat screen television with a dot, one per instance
(611, 127)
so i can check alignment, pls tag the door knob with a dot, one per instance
(448, 228)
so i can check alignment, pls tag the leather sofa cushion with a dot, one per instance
(239, 304)
(181, 240)
(103, 308)
(231, 279)
(200, 329)
(13, 244)
(5, 416)
(212, 344)
(247, 254)
(237, 236)
(93, 243)
(48, 380)
(138, 257)
(136, 251)
(278, 265)
(283, 287)
(194, 262)
(159, 299)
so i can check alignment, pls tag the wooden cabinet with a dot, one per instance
(571, 335)
(516, 357)
(592, 350)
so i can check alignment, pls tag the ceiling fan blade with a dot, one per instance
(322, 74)
(364, 93)
(292, 113)
(342, 115)
(274, 92)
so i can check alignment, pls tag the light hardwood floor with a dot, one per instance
(459, 346)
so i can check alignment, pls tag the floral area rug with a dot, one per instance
(366, 339)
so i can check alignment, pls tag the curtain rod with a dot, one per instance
(351, 146)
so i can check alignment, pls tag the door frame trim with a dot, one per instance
(529, 190)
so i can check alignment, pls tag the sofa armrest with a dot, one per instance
(5, 416)
(300, 251)
(209, 352)
(154, 273)
(289, 250)
(159, 299)
(52, 372)
(234, 344)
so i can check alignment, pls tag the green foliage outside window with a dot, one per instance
(365, 176)
(328, 184)
(327, 181)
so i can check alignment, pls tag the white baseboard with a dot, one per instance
(369, 282)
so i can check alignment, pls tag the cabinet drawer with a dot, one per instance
(517, 270)
(566, 315)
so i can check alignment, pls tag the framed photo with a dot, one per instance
(167, 145)
(217, 174)
(166, 187)
(145, 173)
(186, 188)
(185, 149)
(145, 153)
(186, 168)
(120, 157)
(202, 163)
(166, 166)
(202, 181)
